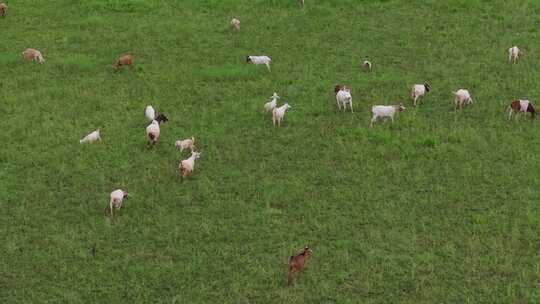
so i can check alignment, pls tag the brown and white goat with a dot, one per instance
(521, 106)
(126, 59)
(33, 55)
(3, 9)
(297, 263)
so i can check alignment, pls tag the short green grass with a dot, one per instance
(439, 207)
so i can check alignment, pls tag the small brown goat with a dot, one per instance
(297, 264)
(126, 59)
(3, 9)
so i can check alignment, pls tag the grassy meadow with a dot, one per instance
(439, 207)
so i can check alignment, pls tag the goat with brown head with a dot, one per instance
(297, 264)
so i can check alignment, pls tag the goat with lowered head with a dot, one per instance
(521, 106)
(385, 112)
(462, 97)
(297, 263)
(188, 143)
(153, 129)
(186, 166)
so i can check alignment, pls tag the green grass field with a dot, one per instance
(439, 207)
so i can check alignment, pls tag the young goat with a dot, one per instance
(259, 60)
(126, 59)
(153, 130)
(92, 137)
(269, 106)
(514, 53)
(235, 24)
(188, 143)
(297, 264)
(186, 166)
(3, 9)
(34, 55)
(521, 106)
(462, 97)
(385, 111)
(279, 113)
(343, 97)
(419, 90)
(117, 196)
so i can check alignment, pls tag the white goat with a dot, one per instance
(188, 143)
(343, 97)
(152, 132)
(34, 55)
(419, 90)
(367, 65)
(279, 113)
(186, 166)
(150, 113)
(385, 111)
(235, 24)
(269, 106)
(514, 53)
(117, 196)
(259, 60)
(462, 97)
(91, 137)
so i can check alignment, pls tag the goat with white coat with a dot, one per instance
(514, 53)
(462, 97)
(91, 137)
(343, 97)
(186, 166)
(419, 90)
(259, 60)
(279, 113)
(235, 24)
(153, 129)
(269, 106)
(117, 197)
(385, 111)
(188, 143)
(150, 113)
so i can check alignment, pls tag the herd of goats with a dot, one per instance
(343, 99)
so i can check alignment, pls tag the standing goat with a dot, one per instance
(521, 106)
(297, 264)
(279, 113)
(34, 55)
(385, 111)
(117, 197)
(419, 90)
(343, 97)
(188, 143)
(269, 106)
(259, 60)
(462, 97)
(153, 130)
(3, 9)
(235, 24)
(186, 166)
(126, 59)
(514, 53)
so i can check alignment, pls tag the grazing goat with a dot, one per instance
(419, 90)
(385, 111)
(92, 137)
(126, 59)
(269, 106)
(34, 55)
(259, 60)
(343, 97)
(367, 66)
(3, 9)
(279, 113)
(521, 106)
(153, 130)
(186, 166)
(188, 143)
(514, 53)
(297, 264)
(150, 113)
(462, 97)
(117, 196)
(235, 24)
